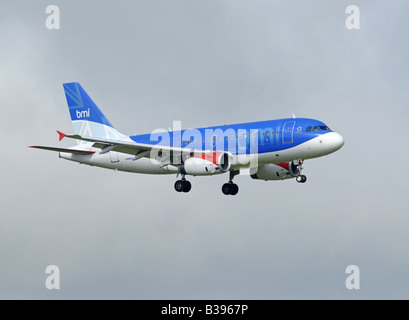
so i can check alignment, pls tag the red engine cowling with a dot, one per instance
(276, 171)
(206, 164)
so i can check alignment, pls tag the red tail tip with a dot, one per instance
(62, 135)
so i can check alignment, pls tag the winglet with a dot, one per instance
(62, 135)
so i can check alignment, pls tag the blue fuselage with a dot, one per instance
(244, 138)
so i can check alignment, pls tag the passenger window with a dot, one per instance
(272, 132)
(268, 133)
(309, 129)
(315, 128)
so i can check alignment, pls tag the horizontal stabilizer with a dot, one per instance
(80, 152)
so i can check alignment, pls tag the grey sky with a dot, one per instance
(147, 63)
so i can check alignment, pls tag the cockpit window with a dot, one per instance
(309, 129)
(316, 128)
(324, 128)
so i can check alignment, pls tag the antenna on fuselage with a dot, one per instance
(294, 116)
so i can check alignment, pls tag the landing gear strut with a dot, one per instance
(300, 178)
(183, 185)
(230, 187)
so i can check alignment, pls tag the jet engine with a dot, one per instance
(206, 164)
(276, 171)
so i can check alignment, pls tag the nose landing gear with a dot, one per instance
(300, 178)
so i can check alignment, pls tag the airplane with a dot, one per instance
(271, 150)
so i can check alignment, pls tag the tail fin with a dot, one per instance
(86, 117)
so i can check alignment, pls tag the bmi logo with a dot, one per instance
(83, 114)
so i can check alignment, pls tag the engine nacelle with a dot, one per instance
(206, 164)
(276, 171)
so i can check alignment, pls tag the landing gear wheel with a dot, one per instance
(179, 185)
(230, 188)
(183, 186)
(226, 189)
(301, 178)
(187, 186)
(234, 189)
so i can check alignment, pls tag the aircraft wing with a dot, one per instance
(138, 150)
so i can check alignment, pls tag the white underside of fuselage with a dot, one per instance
(317, 147)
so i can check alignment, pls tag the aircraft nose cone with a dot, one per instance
(335, 141)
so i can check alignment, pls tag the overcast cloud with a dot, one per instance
(147, 63)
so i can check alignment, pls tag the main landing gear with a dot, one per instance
(183, 185)
(300, 178)
(230, 187)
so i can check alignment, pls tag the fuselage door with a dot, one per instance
(288, 130)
